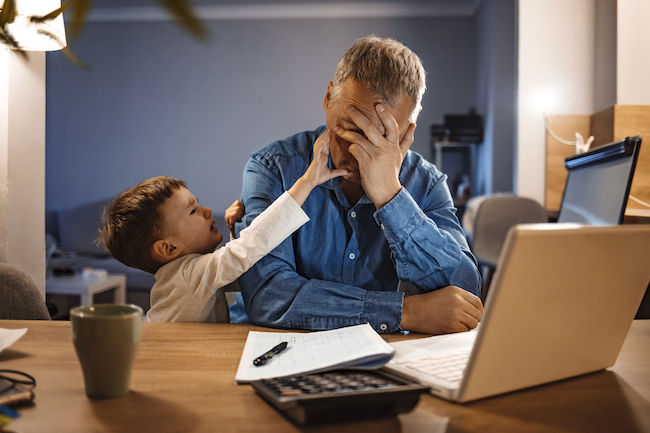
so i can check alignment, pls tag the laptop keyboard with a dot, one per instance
(448, 366)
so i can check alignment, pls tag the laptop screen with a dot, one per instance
(598, 183)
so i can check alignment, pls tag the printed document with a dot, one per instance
(358, 347)
(9, 337)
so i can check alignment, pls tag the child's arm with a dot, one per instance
(206, 273)
(317, 172)
(234, 214)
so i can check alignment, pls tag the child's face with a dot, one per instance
(189, 225)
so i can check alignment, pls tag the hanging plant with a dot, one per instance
(181, 10)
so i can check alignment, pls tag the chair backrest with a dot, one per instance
(494, 217)
(20, 298)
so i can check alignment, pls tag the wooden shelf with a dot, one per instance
(612, 124)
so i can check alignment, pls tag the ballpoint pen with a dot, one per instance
(268, 355)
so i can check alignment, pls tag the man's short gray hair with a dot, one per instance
(386, 67)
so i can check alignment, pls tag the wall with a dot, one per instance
(158, 102)
(22, 163)
(555, 77)
(496, 93)
(633, 52)
(566, 51)
(605, 55)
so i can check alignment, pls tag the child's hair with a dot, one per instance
(133, 222)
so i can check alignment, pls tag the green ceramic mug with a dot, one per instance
(106, 338)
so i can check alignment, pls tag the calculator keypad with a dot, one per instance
(335, 382)
(340, 395)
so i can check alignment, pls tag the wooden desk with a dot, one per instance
(183, 381)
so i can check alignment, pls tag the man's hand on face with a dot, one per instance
(446, 310)
(379, 154)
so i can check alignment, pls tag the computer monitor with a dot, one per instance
(598, 183)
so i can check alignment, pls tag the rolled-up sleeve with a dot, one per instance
(428, 246)
(344, 266)
(276, 295)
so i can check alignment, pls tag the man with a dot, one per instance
(390, 218)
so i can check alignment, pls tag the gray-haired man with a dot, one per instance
(390, 218)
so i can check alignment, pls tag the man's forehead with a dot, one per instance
(371, 115)
(370, 112)
(365, 99)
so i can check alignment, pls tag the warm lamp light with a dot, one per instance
(38, 36)
(546, 100)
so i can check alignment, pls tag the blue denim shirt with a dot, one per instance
(343, 267)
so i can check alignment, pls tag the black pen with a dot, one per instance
(268, 355)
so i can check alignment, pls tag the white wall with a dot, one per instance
(4, 154)
(22, 163)
(566, 48)
(633, 53)
(556, 65)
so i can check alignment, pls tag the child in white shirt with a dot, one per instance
(159, 227)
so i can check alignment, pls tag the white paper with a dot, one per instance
(352, 347)
(9, 337)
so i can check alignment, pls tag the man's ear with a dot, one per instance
(164, 251)
(328, 96)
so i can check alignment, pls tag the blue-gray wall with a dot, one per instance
(497, 96)
(158, 102)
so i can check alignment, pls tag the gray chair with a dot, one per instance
(20, 298)
(492, 217)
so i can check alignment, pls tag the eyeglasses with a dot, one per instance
(18, 378)
(16, 386)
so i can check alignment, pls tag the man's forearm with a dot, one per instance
(278, 297)
(428, 254)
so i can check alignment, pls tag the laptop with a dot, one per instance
(561, 303)
(598, 183)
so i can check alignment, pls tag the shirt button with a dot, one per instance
(383, 327)
(351, 256)
(382, 227)
(353, 214)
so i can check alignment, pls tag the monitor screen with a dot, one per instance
(598, 183)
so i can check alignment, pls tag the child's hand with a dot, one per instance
(318, 172)
(234, 214)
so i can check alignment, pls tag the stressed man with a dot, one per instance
(390, 219)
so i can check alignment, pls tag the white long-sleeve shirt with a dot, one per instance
(186, 288)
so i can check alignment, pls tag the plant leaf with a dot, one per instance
(74, 59)
(54, 13)
(8, 12)
(80, 13)
(182, 11)
(67, 51)
(7, 39)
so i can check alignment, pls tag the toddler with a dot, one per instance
(159, 227)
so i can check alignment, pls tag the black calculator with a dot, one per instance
(341, 395)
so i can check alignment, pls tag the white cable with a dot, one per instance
(580, 145)
(568, 143)
(639, 201)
